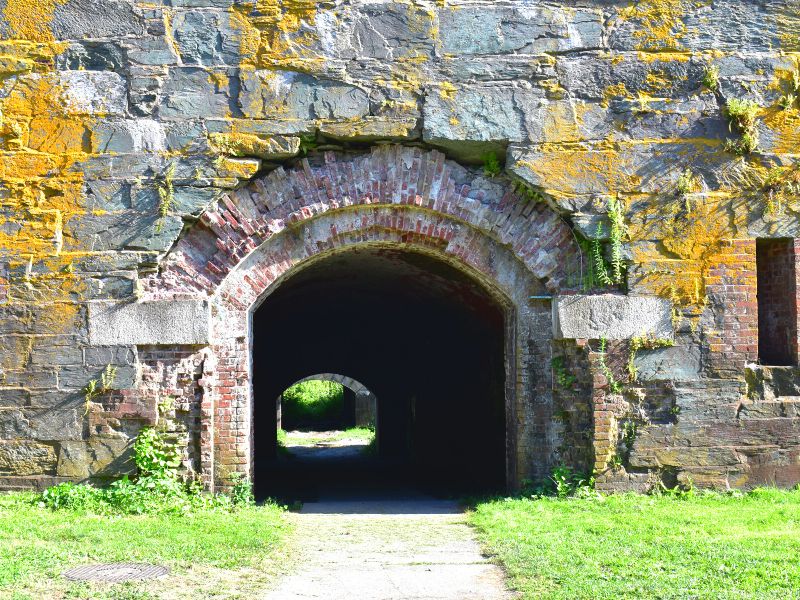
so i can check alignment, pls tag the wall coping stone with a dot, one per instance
(611, 316)
(154, 322)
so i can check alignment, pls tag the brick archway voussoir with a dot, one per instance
(389, 176)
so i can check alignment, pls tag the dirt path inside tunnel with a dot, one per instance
(384, 544)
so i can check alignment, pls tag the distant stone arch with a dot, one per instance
(365, 402)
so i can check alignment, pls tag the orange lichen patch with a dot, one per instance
(562, 121)
(17, 354)
(690, 246)
(787, 24)
(786, 125)
(41, 147)
(657, 80)
(573, 169)
(660, 22)
(278, 33)
(447, 91)
(618, 90)
(30, 19)
(651, 57)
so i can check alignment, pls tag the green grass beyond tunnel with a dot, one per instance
(629, 546)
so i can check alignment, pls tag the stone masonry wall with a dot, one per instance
(125, 124)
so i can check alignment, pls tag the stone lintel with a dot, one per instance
(156, 322)
(611, 316)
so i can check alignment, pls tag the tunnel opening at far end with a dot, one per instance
(426, 338)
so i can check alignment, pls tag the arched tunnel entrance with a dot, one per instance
(426, 338)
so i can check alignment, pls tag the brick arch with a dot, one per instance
(394, 197)
(351, 384)
(389, 175)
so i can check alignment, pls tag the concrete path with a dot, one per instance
(408, 547)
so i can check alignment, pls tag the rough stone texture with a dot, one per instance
(100, 457)
(167, 322)
(611, 317)
(26, 457)
(139, 150)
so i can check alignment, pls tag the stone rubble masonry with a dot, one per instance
(162, 166)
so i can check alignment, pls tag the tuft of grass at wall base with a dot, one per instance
(713, 546)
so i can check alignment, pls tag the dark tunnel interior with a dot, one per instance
(426, 338)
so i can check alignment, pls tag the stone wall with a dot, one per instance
(135, 134)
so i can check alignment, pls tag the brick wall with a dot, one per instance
(731, 287)
(777, 265)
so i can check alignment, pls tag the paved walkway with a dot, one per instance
(406, 548)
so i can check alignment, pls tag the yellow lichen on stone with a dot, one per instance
(30, 19)
(568, 169)
(42, 147)
(617, 90)
(686, 246)
(447, 91)
(278, 33)
(660, 24)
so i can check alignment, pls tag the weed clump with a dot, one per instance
(742, 115)
(491, 165)
(711, 78)
(157, 488)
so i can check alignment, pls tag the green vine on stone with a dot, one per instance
(618, 229)
(613, 385)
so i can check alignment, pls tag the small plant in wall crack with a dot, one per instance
(613, 272)
(526, 192)
(613, 385)
(93, 390)
(308, 143)
(599, 268)
(618, 231)
(743, 117)
(789, 99)
(166, 195)
(563, 377)
(643, 343)
(710, 79)
(781, 185)
(688, 183)
(491, 165)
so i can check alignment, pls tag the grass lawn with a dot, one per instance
(212, 554)
(628, 546)
(312, 438)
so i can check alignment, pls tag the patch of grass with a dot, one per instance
(294, 438)
(631, 546)
(38, 544)
(312, 402)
